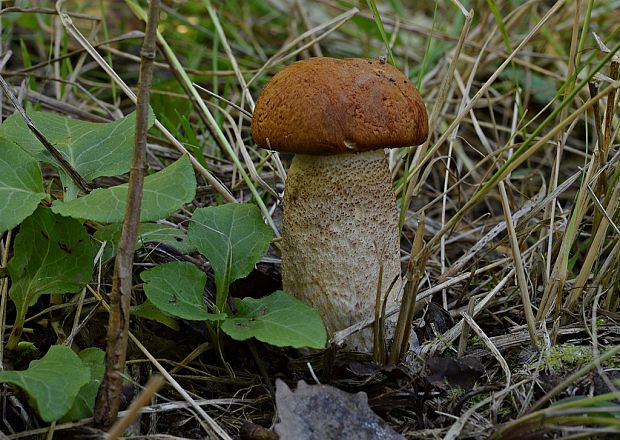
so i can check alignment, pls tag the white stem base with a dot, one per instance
(340, 226)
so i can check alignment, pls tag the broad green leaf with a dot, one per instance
(93, 149)
(53, 254)
(177, 288)
(148, 233)
(21, 185)
(84, 402)
(164, 193)
(148, 310)
(52, 382)
(233, 237)
(278, 319)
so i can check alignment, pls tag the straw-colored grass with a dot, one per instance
(514, 197)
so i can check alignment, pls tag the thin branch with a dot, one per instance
(108, 399)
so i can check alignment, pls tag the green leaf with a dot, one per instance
(21, 185)
(278, 319)
(541, 87)
(233, 237)
(149, 233)
(177, 288)
(164, 193)
(148, 310)
(52, 382)
(53, 254)
(84, 402)
(93, 149)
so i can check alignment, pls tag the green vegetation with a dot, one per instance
(517, 189)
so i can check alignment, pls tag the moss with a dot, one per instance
(455, 393)
(568, 355)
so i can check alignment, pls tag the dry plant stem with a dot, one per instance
(609, 113)
(465, 333)
(104, 45)
(48, 11)
(593, 253)
(415, 269)
(554, 288)
(108, 399)
(151, 387)
(516, 254)
(66, 166)
(593, 88)
(211, 427)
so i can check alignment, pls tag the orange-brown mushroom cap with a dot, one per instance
(331, 106)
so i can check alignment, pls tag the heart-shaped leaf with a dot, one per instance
(84, 402)
(53, 382)
(21, 185)
(233, 237)
(53, 254)
(177, 288)
(164, 193)
(278, 319)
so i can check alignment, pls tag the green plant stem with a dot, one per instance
(16, 331)
(384, 37)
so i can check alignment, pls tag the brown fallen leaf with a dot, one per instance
(322, 412)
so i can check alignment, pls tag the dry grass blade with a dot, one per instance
(516, 256)
(279, 56)
(451, 335)
(593, 252)
(145, 396)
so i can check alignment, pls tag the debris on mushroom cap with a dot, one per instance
(330, 106)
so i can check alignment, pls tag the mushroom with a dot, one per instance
(340, 227)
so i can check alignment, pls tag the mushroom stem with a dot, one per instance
(340, 226)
